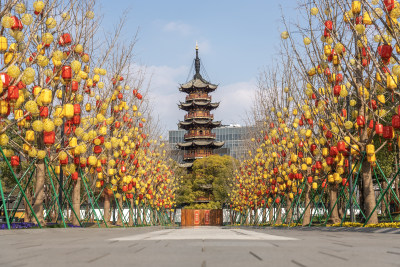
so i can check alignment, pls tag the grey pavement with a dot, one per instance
(201, 246)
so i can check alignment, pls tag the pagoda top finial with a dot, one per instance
(197, 63)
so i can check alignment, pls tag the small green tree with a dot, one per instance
(208, 179)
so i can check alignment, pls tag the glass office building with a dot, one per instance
(234, 137)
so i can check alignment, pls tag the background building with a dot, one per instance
(234, 136)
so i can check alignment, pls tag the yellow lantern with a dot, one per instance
(370, 149)
(30, 136)
(3, 44)
(68, 110)
(46, 96)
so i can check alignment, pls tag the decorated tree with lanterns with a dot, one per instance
(76, 127)
(330, 113)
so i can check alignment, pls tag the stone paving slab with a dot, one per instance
(204, 246)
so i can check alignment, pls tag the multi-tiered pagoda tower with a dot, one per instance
(199, 140)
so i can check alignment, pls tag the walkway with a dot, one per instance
(204, 246)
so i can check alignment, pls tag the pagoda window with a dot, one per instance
(201, 132)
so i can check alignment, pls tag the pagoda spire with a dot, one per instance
(197, 63)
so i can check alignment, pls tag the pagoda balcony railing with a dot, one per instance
(197, 135)
(198, 97)
(193, 155)
(199, 116)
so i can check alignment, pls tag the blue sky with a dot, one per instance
(237, 39)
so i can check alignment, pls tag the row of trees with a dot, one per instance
(73, 109)
(330, 113)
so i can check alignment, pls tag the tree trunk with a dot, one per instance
(271, 214)
(144, 215)
(333, 206)
(27, 215)
(76, 202)
(119, 211)
(289, 210)
(255, 215)
(107, 207)
(264, 214)
(279, 215)
(386, 198)
(368, 193)
(131, 219)
(307, 216)
(39, 192)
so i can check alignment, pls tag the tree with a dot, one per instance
(208, 180)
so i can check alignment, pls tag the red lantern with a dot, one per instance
(74, 176)
(64, 162)
(97, 149)
(14, 161)
(333, 152)
(13, 93)
(387, 132)
(6, 79)
(371, 124)
(379, 129)
(396, 121)
(341, 146)
(386, 51)
(44, 112)
(360, 120)
(139, 96)
(49, 137)
(326, 33)
(74, 86)
(329, 25)
(329, 161)
(76, 119)
(21, 85)
(389, 4)
(65, 39)
(309, 179)
(328, 134)
(66, 73)
(16, 24)
(318, 165)
(372, 104)
(123, 169)
(77, 109)
(313, 147)
(336, 90)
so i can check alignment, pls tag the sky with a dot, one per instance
(237, 39)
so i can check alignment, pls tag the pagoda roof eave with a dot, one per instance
(183, 124)
(198, 83)
(212, 143)
(208, 104)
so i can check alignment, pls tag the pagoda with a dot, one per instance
(199, 141)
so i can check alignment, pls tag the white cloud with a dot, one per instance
(177, 26)
(235, 99)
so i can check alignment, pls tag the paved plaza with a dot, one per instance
(202, 246)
